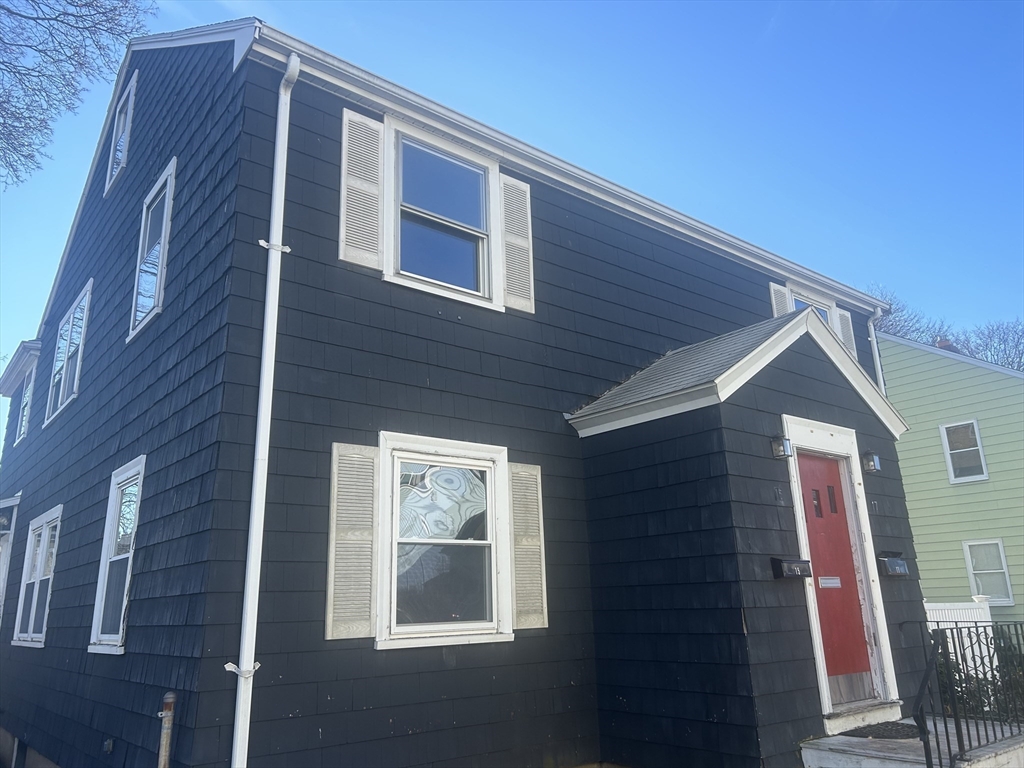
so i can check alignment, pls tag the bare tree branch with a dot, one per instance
(49, 51)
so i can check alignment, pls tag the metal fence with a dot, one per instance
(972, 693)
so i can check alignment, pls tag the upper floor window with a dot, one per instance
(37, 579)
(986, 564)
(67, 359)
(965, 459)
(25, 405)
(116, 558)
(8, 517)
(121, 133)
(152, 257)
(434, 215)
(792, 298)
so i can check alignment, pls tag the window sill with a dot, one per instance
(56, 413)
(145, 321)
(448, 293)
(439, 640)
(28, 643)
(107, 648)
(975, 479)
(18, 440)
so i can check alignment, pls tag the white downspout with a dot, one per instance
(874, 349)
(257, 511)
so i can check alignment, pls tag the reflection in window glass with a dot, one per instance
(150, 258)
(988, 571)
(964, 451)
(67, 357)
(442, 185)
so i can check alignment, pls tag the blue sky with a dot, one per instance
(877, 141)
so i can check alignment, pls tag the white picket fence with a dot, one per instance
(942, 615)
(975, 638)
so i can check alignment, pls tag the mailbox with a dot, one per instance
(791, 569)
(893, 564)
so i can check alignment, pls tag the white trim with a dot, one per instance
(841, 443)
(719, 390)
(953, 479)
(24, 357)
(40, 523)
(129, 96)
(5, 556)
(166, 184)
(857, 717)
(133, 470)
(976, 588)
(495, 459)
(378, 94)
(86, 294)
(25, 404)
(951, 355)
(492, 266)
(109, 650)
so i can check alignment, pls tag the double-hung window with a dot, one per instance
(434, 215)
(25, 404)
(152, 259)
(965, 460)
(121, 133)
(793, 298)
(8, 517)
(116, 558)
(434, 542)
(67, 358)
(37, 579)
(986, 564)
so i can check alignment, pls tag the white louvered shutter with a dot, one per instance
(350, 566)
(845, 329)
(781, 303)
(517, 238)
(362, 190)
(530, 606)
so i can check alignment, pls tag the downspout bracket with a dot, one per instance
(275, 247)
(246, 673)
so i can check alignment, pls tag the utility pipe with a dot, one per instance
(874, 349)
(247, 665)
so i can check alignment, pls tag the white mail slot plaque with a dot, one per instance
(829, 582)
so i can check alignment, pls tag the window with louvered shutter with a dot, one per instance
(787, 298)
(781, 303)
(531, 605)
(362, 189)
(844, 327)
(518, 243)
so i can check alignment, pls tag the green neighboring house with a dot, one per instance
(963, 470)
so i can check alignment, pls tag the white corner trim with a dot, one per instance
(950, 355)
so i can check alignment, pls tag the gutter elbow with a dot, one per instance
(291, 74)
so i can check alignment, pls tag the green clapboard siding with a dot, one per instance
(930, 388)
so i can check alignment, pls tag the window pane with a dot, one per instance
(37, 543)
(6, 517)
(992, 584)
(961, 437)
(51, 549)
(70, 371)
(440, 253)
(115, 164)
(985, 557)
(443, 584)
(128, 507)
(113, 599)
(26, 399)
(442, 185)
(42, 599)
(77, 324)
(62, 345)
(26, 607)
(966, 463)
(440, 502)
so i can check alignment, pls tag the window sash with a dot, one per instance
(37, 577)
(151, 260)
(954, 467)
(26, 404)
(67, 359)
(974, 572)
(120, 138)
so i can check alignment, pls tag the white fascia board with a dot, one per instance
(951, 355)
(384, 96)
(242, 32)
(22, 360)
(751, 365)
(648, 410)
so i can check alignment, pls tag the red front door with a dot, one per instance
(835, 580)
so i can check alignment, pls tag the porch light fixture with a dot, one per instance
(782, 448)
(870, 462)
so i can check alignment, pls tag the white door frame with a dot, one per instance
(841, 443)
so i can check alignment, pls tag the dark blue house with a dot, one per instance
(384, 439)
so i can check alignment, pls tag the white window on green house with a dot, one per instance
(116, 558)
(986, 566)
(121, 134)
(67, 358)
(965, 459)
(37, 579)
(434, 542)
(8, 517)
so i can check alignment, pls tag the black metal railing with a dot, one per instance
(972, 692)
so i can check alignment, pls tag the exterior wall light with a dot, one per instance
(782, 448)
(870, 462)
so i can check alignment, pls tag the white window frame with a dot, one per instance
(127, 105)
(63, 398)
(41, 523)
(11, 504)
(1005, 571)
(25, 406)
(492, 268)
(134, 470)
(164, 184)
(953, 479)
(394, 447)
